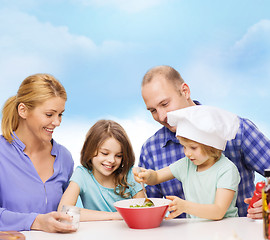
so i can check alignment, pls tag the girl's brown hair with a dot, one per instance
(33, 91)
(207, 150)
(96, 136)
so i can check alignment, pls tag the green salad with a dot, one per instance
(148, 204)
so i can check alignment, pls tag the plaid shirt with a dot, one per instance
(250, 151)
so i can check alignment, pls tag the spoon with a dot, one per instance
(147, 202)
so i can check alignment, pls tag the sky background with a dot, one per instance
(101, 49)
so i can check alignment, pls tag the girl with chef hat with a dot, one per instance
(210, 180)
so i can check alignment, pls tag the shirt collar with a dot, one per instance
(16, 141)
(197, 102)
(169, 136)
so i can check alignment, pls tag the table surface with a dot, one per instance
(226, 229)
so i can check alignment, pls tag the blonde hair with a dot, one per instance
(207, 150)
(169, 73)
(96, 136)
(33, 91)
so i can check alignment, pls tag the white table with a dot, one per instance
(175, 229)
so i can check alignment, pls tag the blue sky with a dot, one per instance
(100, 51)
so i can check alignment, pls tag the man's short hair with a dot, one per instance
(169, 73)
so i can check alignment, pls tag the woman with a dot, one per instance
(35, 170)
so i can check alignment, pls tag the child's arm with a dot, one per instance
(93, 215)
(139, 195)
(152, 177)
(70, 197)
(214, 211)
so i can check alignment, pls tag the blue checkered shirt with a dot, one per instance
(250, 151)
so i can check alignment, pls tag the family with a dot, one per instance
(203, 158)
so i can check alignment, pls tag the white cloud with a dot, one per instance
(235, 78)
(24, 34)
(227, 75)
(256, 36)
(30, 46)
(124, 5)
(208, 79)
(251, 53)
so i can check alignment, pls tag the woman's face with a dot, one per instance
(41, 121)
(108, 159)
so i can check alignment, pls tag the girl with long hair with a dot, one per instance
(106, 174)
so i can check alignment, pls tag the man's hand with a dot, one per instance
(256, 211)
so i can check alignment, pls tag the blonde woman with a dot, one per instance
(35, 169)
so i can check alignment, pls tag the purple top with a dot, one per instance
(23, 195)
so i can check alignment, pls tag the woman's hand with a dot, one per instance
(256, 211)
(51, 222)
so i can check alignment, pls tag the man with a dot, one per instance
(164, 90)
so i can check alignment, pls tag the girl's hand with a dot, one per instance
(151, 177)
(176, 207)
(142, 175)
(51, 222)
(256, 211)
(116, 216)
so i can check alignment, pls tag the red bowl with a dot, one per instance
(142, 217)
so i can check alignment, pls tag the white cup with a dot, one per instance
(74, 212)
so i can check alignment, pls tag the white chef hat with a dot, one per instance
(208, 125)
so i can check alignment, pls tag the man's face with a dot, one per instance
(161, 97)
